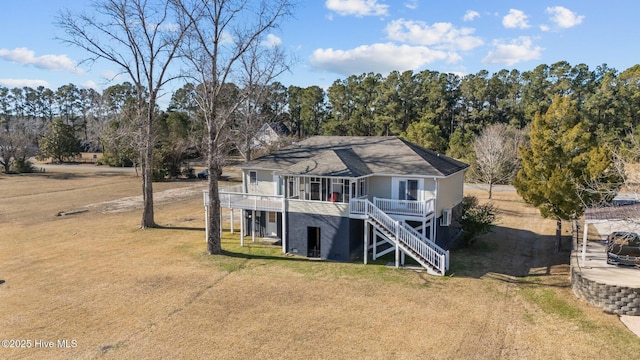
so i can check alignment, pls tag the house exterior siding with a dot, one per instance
(447, 235)
(449, 192)
(334, 235)
(379, 186)
(265, 184)
(429, 188)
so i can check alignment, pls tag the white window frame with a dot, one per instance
(253, 180)
(395, 188)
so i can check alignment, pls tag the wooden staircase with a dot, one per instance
(404, 238)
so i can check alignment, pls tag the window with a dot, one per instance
(412, 190)
(336, 190)
(294, 187)
(253, 178)
(408, 190)
(362, 187)
(315, 189)
(347, 188)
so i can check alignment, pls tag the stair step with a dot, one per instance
(391, 238)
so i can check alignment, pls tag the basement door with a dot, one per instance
(272, 224)
(313, 242)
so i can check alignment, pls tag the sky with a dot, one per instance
(333, 39)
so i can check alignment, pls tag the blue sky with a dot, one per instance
(332, 39)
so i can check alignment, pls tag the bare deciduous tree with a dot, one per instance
(219, 47)
(260, 65)
(15, 145)
(496, 150)
(141, 37)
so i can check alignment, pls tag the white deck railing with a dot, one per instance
(405, 207)
(240, 200)
(427, 251)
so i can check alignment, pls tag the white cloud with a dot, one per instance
(272, 41)
(518, 50)
(357, 8)
(226, 38)
(439, 35)
(111, 75)
(89, 84)
(470, 15)
(411, 4)
(47, 62)
(19, 83)
(379, 58)
(545, 28)
(515, 19)
(564, 17)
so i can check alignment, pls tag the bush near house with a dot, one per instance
(476, 219)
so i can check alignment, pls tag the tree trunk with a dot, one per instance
(214, 245)
(558, 235)
(490, 189)
(147, 185)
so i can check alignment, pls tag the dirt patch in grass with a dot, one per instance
(121, 292)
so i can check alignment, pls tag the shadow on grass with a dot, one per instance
(247, 256)
(508, 253)
(183, 228)
(59, 175)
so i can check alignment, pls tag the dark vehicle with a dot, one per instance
(623, 248)
(204, 174)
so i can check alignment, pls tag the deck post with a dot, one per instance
(374, 237)
(432, 229)
(584, 243)
(242, 226)
(366, 240)
(284, 233)
(253, 226)
(397, 235)
(231, 210)
(220, 211)
(284, 225)
(206, 224)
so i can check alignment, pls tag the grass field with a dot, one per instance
(123, 293)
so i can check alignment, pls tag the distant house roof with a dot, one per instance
(280, 128)
(356, 156)
(269, 133)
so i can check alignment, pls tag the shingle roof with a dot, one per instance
(620, 212)
(355, 156)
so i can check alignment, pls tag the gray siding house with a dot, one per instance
(343, 198)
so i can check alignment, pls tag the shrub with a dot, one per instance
(476, 220)
(22, 165)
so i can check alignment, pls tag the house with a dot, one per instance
(268, 134)
(341, 198)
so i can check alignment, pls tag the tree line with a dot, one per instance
(441, 111)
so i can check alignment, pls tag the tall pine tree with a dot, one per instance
(562, 162)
